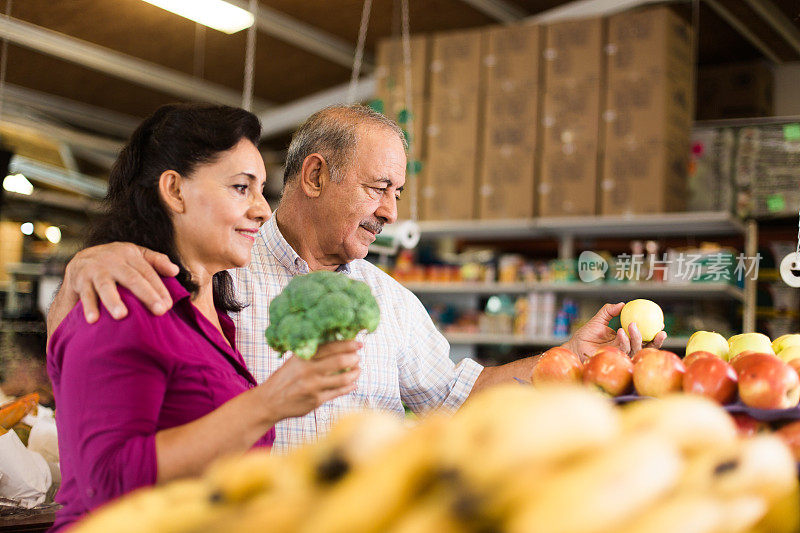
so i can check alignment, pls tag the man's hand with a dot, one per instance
(95, 272)
(595, 334)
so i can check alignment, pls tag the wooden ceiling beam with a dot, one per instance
(741, 27)
(498, 10)
(782, 25)
(118, 64)
(78, 113)
(304, 36)
(287, 117)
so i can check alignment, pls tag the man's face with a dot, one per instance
(356, 208)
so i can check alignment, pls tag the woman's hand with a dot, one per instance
(300, 386)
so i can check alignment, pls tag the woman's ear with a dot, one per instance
(313, 175)
(169, 188)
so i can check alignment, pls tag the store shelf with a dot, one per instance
(651, 289)
(665, 224)
(672, 343)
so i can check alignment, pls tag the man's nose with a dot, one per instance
(387, 210)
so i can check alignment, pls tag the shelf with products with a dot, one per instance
(652, 289)
(461, 338)
(460, 274)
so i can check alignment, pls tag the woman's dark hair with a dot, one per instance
(176, 137)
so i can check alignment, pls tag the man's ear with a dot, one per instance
(169, 188)
(314, 175)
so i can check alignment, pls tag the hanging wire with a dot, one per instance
(249, 62)
(412, 167)
(362, 36)
(199, 65)
(4, 61)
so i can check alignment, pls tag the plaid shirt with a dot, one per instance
(406, 359)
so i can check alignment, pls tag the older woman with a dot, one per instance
(151, 398)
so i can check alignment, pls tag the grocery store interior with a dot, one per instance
(561, 155)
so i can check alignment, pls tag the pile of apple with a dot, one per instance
(763, 373)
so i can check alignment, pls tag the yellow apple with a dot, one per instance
(646, 314)
(790, 352)
(784, 341)
(708, 341)
(754, 342)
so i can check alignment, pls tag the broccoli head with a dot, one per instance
(317, 308)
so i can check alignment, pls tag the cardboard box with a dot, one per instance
(509, 135)
(647, 114)
(390, 76)
(570, 119)
(390, 67)
(647, 178)
(569, 181)
(736, 90)
(649, 76)
(574, 50)
(448, 192)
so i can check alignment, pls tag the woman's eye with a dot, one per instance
(241, 188)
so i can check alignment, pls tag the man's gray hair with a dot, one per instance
(333, 133)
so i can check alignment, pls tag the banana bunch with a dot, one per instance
(514, 458)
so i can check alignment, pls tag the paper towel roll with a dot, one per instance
(393, 236)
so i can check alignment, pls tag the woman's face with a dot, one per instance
(223, 208)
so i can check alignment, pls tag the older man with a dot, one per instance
(345, 170)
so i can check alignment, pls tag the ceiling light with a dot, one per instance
(53, 234)
(17, 183)
(27, 228)
(216, 14)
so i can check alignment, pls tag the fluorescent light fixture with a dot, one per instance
(216, 14)
(18, 183)
(53, 234)
(26, 228)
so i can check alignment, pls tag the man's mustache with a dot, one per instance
(374, 226)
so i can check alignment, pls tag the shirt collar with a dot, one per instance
(176, 291)
(284, 253)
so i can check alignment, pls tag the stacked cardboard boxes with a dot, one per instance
(648, 113)
(390, 75)
(449, 192)
(510, 108)
(573, 85)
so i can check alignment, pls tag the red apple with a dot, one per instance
(790, 434)
(657, 373)
(557, 365)
(694, 356)
(711, 377)
(610, 370)
(638, 355)
(747, 426)
(734, 361)
(767, 382)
